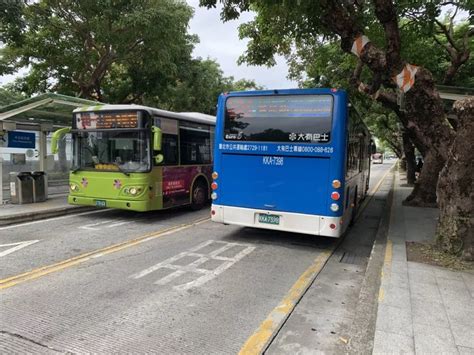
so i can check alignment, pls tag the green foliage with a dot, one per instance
(8, 97)
(115, 51)
(72, 46)
(198, 87)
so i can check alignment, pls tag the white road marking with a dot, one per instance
(95, 226)
(52, 219)
(203, 275)
(16, 246)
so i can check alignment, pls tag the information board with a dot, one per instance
(18, 139)
(280, 106)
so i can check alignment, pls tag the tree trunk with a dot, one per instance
(424, 192)
(409, 151)
(455, 232)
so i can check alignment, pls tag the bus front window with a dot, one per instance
(112, 150)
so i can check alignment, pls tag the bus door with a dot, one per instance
(173, 185)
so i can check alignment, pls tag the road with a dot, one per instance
(169, 282)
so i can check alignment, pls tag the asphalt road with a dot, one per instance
(167, 282)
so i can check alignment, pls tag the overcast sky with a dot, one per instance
(220, 41)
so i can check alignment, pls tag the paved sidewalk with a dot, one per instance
(422, 309)
(56, 205)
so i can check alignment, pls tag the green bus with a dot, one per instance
(139, 158)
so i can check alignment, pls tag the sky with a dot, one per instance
(220, 41)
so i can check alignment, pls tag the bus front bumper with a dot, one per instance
(287, 221)
(132, 205)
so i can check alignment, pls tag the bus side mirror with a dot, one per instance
(157, 137)
(159, 159)
(57, 135)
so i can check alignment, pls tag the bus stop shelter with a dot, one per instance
(42, 114)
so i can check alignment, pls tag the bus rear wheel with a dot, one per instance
(199, 195)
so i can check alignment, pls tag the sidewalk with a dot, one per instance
(56, 205)
(422, 309)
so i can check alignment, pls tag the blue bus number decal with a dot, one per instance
(276, 161)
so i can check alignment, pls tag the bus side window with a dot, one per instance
(169, 149)
(195, 144)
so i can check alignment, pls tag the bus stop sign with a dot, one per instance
(17, 139)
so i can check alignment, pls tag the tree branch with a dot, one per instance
(387, 15)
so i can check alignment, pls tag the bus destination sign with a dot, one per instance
(282, 106)
(104, 120)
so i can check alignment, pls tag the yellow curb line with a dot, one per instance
(45, 270)
(373, 191)
(260, 339)
(257, 343)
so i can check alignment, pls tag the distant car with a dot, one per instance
(377, 158)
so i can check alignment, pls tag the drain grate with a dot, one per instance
(353, 258)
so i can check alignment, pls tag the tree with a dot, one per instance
(78, 46)
(280, 27)
(198, 87)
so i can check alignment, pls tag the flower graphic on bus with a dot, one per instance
(292, 136)
(84, 182)
(117, 184)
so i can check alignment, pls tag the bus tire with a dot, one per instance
(199, 195)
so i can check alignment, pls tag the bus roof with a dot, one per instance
(184, 116)
(295, 91)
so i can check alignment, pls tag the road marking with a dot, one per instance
(111, 224)
(203, 275)
(258, 342)
(52, 219)
(16, 246)
(265, 333)
(45, 270)
(372, 192)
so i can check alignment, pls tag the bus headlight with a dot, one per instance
(132, 190)
(74, 187)
(334, 207)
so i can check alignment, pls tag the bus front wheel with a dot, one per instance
(199, 195)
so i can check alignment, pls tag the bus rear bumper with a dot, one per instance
(289, 222)
(139, 206)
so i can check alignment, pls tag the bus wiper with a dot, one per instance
(121, 170)
(75, 170)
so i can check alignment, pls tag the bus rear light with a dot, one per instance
(215, 175)
(332, 226)
(213, 195)
(334, 207)
(213, 212)
(214, 185)
(336, 184)
(335, 196)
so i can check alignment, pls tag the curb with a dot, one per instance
(36, 216)
(363, 327)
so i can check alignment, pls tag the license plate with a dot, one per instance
(100, 203)
(269, 218)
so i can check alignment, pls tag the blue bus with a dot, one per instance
(294, 160)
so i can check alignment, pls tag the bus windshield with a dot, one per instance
(281, 118)
(112, 150)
